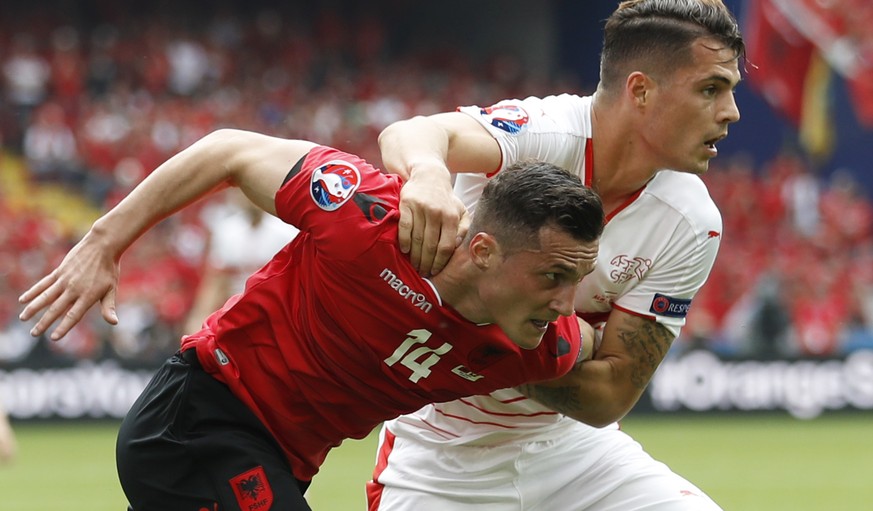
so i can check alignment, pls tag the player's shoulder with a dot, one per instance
(566, 106)
(565, 99)
(556, 113)
(687, 195)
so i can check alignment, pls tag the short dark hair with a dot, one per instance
(527, 196)
(656, 36)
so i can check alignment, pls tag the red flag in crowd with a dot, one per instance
(784, 36)
(859, 20)
(779, 56)
(861, 88)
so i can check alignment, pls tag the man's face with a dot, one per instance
(527, 289)
(690, 110)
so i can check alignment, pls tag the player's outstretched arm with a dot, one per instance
(603, 390)
(89, 272)
(424, 151)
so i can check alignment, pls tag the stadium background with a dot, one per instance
(95, 94)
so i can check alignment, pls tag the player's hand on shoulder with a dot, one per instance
(87, 275)
(432, 221)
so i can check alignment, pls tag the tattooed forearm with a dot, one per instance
(647, 342)
(603, 390)
(565, 400)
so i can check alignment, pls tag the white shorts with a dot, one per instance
(585, 469)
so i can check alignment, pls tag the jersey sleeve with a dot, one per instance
(343, 203)
(550, 129)
(667, 290)
(569, 344)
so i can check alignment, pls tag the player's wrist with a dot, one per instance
(108, 237)
(432, 171)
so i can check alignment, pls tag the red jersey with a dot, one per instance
(338, 332)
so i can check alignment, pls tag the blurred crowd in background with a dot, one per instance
(88, 110)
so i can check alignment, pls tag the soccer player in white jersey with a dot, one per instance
(665, 98)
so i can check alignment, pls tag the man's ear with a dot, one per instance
(638, 88)
(483, 248)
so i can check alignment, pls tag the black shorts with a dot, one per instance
(189, 444)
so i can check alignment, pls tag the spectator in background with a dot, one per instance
(770, 324)
(101, 65)
(8, 445)
(860, 333)
(162, 274)
(26, 76)
(241, 239)
(67, 68)
(50, 148)
(189, 66)
(847, 213)
(801, 191)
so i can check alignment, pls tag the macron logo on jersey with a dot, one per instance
(417, 299)
(333, 184)
(669, 306)
(509, 118)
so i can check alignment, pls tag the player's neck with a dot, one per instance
(454, 285)
(621, 164)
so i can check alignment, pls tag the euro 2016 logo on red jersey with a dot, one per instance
(509, 118)
(333, 184)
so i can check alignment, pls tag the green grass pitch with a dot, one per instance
(759, 462)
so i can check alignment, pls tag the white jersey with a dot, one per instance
(239, 246)
(655, 254)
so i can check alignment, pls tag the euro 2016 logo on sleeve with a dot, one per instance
(333, 184)
(509, 118)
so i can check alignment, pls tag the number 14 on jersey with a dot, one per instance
(419, 359)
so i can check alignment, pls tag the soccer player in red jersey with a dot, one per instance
(338, 331)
